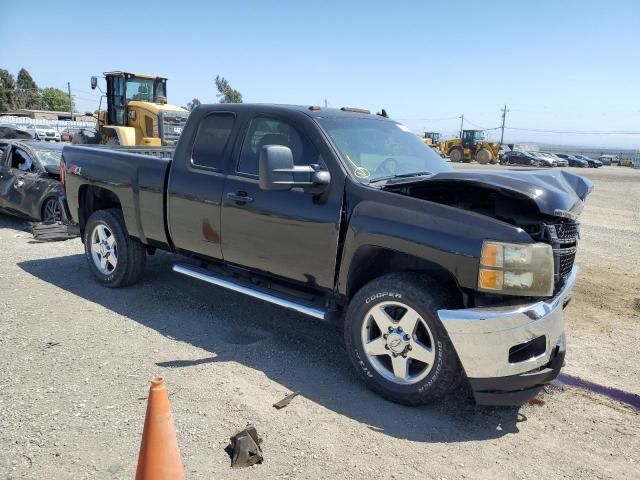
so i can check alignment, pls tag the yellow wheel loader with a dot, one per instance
(472, 146)
(431, 138)
(137, 113)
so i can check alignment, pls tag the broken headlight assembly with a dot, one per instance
(516, 269)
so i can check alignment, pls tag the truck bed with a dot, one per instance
(136, 175)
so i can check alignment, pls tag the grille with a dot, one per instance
(567, 231)
(171, 125)
(565, 258)
(564, 238)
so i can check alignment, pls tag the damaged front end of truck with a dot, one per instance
(510, 335)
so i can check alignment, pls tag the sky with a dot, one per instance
(562, 66)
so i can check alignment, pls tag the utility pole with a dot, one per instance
(504, 117)
(70, 101)
(461, 125)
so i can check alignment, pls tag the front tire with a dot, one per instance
(396, 341)
(115, 258)
(456, 154)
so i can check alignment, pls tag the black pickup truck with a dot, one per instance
(436, 276)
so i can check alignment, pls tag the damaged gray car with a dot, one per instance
(30, 180)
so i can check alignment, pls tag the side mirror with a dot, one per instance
(277, 171)
(50, 171)
(94, 83)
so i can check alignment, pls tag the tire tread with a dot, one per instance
(134, 251)
(431, 296)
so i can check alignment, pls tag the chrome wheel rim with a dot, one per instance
(104, 249)
(52, 211)
(398, 342)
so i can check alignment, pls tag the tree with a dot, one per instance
(28, 91)
(55, 99)
(227, 94)
(193, 104)
(8, 93)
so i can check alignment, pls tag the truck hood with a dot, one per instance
(555, 193)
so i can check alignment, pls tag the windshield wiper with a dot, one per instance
(400, 175)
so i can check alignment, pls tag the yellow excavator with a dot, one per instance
(472, 146)
(137, 113)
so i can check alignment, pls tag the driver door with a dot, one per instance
(292, 234)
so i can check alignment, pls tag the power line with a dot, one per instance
(427, 119)
(575, 132)
(476, 125)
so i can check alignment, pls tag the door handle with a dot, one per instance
(240, 197)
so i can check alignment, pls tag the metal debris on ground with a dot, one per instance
(286, 400)
(54, 231)
(245, 449)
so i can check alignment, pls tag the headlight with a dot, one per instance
(516, 269)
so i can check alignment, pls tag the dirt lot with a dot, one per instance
(75, 360)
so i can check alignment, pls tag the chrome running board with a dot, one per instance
(209, 277)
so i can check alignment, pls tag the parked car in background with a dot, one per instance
(609, 159)
(520, 158)
(560, 162)
(593, 163)
(30, 180)
(544, 160)
(574, 161)
(502, 152)
(67, 134)
(44, 132)
(10, 130)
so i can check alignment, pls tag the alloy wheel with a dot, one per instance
(398, 342)
(104, 249)
(52, 211)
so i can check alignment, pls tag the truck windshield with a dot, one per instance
(374, 148)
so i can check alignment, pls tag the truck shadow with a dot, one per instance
(297, 352)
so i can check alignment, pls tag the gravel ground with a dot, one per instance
(75, 361)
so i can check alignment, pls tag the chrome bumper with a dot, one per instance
(482, 337)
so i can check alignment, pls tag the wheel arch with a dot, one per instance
(92, 199)
(371, 261)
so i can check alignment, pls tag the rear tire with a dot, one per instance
(115, 258)
(432, 367)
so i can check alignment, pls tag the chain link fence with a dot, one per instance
(59, 125)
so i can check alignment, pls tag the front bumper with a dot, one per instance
(492, 344)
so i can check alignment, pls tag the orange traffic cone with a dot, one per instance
(159, 457)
